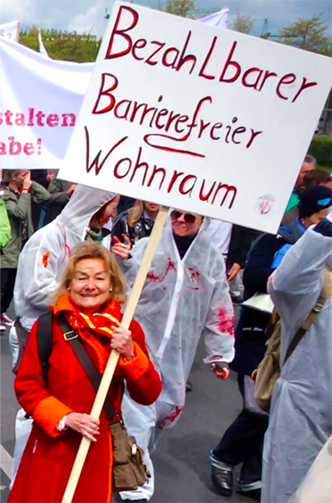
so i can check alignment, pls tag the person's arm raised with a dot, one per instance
(302, 265)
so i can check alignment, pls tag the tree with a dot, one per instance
(308, 34)
(29, 38)
(63, 45)
(243, 23)
(183, 8)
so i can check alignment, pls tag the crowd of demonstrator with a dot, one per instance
(76, 270)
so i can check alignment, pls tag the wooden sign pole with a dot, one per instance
(18, 32)
(114, 356)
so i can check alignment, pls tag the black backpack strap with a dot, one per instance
(74, 340)
(44, 339)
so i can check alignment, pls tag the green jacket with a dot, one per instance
(293, 200)
(19, 209)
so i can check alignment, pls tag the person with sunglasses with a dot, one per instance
(185, 296)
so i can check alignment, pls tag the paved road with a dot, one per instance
(182, 458)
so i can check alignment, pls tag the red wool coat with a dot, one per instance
(49, 455)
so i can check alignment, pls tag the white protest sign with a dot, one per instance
(198, 118)
(10, 31)
(39, 101)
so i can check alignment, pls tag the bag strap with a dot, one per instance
(82, 355)
(44, 339)
(324, 295)
(273, 320)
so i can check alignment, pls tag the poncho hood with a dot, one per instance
(83, 204)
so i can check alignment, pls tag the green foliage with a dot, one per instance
(321, 148)
(308, 34)
(29, 38)
(63, 45)
(183, 8)
(325, 168)
(243, 23)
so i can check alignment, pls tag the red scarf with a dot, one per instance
(92, 327)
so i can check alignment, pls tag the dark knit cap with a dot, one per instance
(313, 200)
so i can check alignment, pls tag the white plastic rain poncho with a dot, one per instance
(181, 301)
(301, 412)
(48, 250)
(317, 485)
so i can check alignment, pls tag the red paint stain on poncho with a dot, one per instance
(65, 246)
(171, 418)
(155, 278)
(226, 323)
(195, 277)
(45, 259)
(152, 277)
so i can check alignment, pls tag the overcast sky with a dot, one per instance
(89, 15)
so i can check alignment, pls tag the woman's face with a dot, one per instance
(19, 177)
(315, 218)
(151, 207)
(185, 224)
(90, 287)
(103, 215)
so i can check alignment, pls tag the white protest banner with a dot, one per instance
(199, 118)
(42, 49)
(10, 31)
(39, 102)
(218, 19)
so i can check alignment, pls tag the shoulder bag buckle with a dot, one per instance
(69, 336)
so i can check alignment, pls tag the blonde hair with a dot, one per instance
(135, 213)
(93, 250)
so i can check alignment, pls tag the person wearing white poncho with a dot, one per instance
(184, 297)
(48, 250)
(301, 408)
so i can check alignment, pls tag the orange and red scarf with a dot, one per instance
(91, 326)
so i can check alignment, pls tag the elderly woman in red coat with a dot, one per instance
(89, 298)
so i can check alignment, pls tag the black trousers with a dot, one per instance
(7, 287)
(243, 442)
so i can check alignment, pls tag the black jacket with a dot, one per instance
(58, 200)
(141, 229)
(241, 240)
(249, 336)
